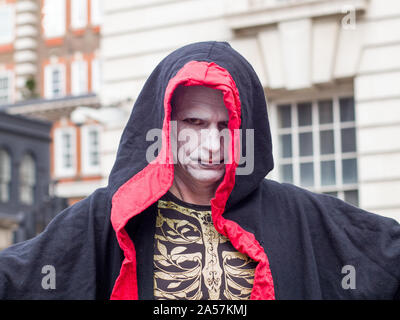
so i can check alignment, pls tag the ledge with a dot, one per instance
(32, 106)
(264, 14)
(10, 221)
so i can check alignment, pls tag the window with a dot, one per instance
(317, 146)
(54, 81)
(5, 88)
(7, 23)
(27, 180)
(79, 77)
(65, 152)
(96, 76)
(5, 176)
(96, 12)
(78, 13)
(91, 149)
(54, 18)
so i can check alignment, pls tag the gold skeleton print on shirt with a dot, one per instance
(193, 261)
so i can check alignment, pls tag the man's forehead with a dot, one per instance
(198, 93)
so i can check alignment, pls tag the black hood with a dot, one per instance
(148, 113)
(103, 249)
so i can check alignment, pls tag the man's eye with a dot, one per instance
(194, 121)
(223, 125)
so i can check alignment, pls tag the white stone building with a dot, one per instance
(330, 69)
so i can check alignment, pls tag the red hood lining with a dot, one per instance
(151, 183)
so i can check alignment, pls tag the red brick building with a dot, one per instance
(49, 66)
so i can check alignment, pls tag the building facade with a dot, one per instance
(49, 67)
(330, 70)
(24, 175)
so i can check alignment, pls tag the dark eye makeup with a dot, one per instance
(200, 122)
(194, 121)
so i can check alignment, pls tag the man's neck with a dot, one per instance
(200, 194)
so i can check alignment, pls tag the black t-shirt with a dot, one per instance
(192, 260)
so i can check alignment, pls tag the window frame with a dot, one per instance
(10, 173)
(9, 38)
(52, 31)
(9, 74)
(96, 14)
(30, 187)
(61, 171)
(48, 80)
(79, 14)
(86, 148)
(79, 77)
(95, 75)
(339, 187)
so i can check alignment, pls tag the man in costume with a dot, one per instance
(186, 225)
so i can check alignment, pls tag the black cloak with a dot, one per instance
(305, 244)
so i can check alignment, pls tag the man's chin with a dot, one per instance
(207, 173)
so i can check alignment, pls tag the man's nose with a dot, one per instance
(211, 140)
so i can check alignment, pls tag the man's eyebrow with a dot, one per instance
(193, 114)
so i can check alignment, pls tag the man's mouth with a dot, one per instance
(211, 165)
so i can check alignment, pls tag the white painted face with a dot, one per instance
(200, 116)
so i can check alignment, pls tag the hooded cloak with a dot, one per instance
(102, 247)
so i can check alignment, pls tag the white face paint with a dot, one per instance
(200, 116)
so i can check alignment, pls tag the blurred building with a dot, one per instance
(24, 177)
(330, 69)
(49, 67)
